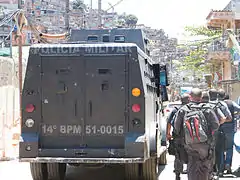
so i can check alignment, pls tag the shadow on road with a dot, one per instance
(115, 172)
(111, 172)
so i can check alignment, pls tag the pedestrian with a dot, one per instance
(229, 129)
(178, 162)
(195, 124)
(219, 104)
(215, 102)
(205, 97)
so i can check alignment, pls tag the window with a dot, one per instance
(119, 38)
(93, 38)
(106, 38)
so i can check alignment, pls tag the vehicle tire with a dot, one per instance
(38, 171)
(163, 158)
(56, 171)
(150, 169)
(132, 172)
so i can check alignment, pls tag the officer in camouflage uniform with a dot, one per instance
(178, 163)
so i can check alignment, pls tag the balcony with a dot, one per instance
(218, 18)
(217, 47)
(218, 51)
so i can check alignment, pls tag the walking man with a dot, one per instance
(229, 129)
(178, 163)
(196, 124)
(220, 138)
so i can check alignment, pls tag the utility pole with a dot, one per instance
(67, 15)
(99, 13)
(90, 14)
(20, 61)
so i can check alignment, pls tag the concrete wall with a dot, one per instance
(227, 70)
(9, 103)
(236, 91)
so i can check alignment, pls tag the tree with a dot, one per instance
(79, 5)
(131, 20)
(196, 58)
(120, 23)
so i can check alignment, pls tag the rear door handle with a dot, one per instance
(90, 108)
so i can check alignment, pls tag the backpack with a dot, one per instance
(230, 106)
(174, 115)
(217, 105)
(195, 125)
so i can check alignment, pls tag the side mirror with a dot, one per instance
(164, 94)
(157, 107)
(163, 75)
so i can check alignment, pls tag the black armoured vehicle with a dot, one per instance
(92, 102)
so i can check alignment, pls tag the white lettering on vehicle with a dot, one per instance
(56, 50)
(88, 129)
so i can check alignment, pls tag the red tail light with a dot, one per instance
(30, 108)
(136, 108)
(167, 110)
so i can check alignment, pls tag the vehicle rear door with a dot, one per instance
(62, 102)
(106, 89)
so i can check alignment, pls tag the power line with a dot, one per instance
(117, 3)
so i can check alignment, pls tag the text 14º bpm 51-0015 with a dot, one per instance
(87, 129)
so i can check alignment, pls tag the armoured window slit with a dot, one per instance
(92, 38)
(104, 71)
(63, 71)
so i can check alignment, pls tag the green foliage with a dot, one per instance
(196, 59)
(129, 20)
(195, 62)
(79, 5)
(202, 31)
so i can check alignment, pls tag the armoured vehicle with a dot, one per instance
(91, 103)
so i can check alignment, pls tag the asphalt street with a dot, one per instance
(13, 170)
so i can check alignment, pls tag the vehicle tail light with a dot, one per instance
(136, 92)
(136, 108)
(167, 110)
(30, 108)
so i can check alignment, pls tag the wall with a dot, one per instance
(9, 104)
(227, 70)
(236, 91)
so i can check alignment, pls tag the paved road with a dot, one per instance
(167, 171)
(14, 170)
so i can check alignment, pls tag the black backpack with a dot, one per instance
(195, 125)
(230, 106)
(217, 105)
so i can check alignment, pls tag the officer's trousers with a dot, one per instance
(178, 164)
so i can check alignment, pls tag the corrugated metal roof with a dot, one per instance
(213, 11)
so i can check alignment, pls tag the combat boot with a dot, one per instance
(178, 176)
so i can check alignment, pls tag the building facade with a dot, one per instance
(220, 54)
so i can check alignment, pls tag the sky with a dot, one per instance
(170, 15)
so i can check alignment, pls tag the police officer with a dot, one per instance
(216, 101)
(199, 159)
(229, 129)
(205, 97)
(221, 118)
(178, 163)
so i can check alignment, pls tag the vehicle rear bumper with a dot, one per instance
(83, 160)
